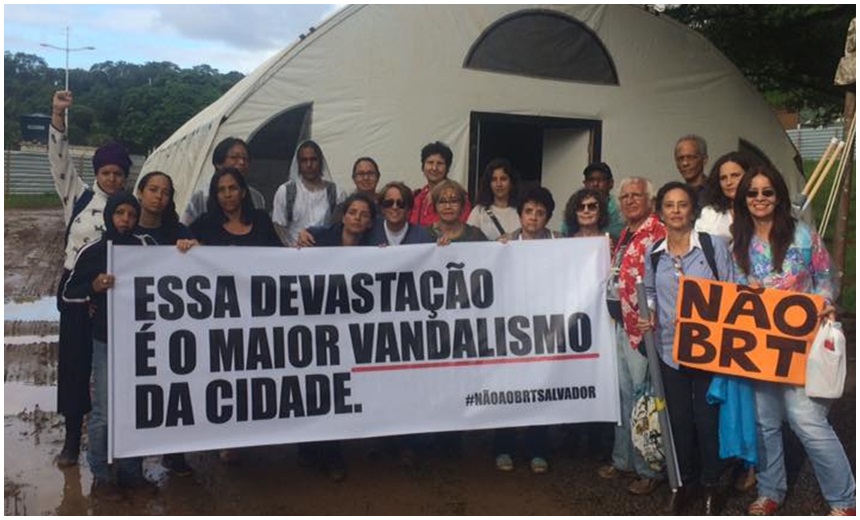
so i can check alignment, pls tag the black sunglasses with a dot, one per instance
(590, 206)
(392, 203)
(767, 192)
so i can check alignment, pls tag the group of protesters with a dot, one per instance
(734, 224)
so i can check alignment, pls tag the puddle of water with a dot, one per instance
(41, 488)
(18, 396)
(44, 309)
(27, 340)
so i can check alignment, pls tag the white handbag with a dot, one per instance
(826, 364)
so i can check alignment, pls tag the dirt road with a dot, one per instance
(269, 480)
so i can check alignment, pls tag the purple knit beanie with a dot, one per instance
(112, 153)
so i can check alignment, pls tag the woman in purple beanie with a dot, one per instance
(82, 210)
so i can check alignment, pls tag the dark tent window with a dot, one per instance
(543, 44)
(749, 148)
(272, 147)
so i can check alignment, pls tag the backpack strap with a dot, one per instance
(291, 200)
(655, 256)
(708, 249)
(495, 221)
(80, 204)
(292, 191)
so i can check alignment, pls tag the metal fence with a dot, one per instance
(811, 142)
(29, 173)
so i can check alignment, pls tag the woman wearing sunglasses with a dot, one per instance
(586, 213)
(393, 229)
(395, 201)
(695, 422)
(772, 249)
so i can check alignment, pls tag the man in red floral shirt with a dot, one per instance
(628, 264)
(435, 162)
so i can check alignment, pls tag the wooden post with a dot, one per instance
(842, 223)
(7, 167)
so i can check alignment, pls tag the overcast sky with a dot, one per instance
(226, 37)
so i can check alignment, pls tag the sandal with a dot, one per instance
(504, 462)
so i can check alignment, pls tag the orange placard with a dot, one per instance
(743, 331)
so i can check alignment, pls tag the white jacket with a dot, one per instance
(89, 224)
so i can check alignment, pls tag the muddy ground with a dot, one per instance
(268, 480)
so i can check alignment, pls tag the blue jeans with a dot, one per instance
(807, 418)
(97, 453)
(632, 369)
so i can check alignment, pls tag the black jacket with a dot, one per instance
(92, 261)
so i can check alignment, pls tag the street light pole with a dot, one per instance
(67, 59)
(67, 50)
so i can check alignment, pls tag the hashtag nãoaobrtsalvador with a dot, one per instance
(538, 395)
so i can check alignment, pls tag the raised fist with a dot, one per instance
(62, 101)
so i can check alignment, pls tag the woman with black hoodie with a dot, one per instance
(89, 282)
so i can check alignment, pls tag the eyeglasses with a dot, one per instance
(365, 175)
(588, 206)
(767, 193)
(393, 203)
(449, 202)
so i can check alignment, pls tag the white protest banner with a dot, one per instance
(231, 347)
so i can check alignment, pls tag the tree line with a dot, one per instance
(138, 105)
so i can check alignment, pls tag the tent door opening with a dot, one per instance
(272, 147)
(546, 151)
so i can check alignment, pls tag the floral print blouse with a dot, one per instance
(807, 267)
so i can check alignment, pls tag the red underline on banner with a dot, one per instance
(473, 362)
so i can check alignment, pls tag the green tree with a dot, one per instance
(31, 77)
(789, 52)
(140, 105)
(150, 113)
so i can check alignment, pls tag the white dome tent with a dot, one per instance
(549, 87)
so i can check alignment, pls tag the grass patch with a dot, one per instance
(848, 299)
(45, 200)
